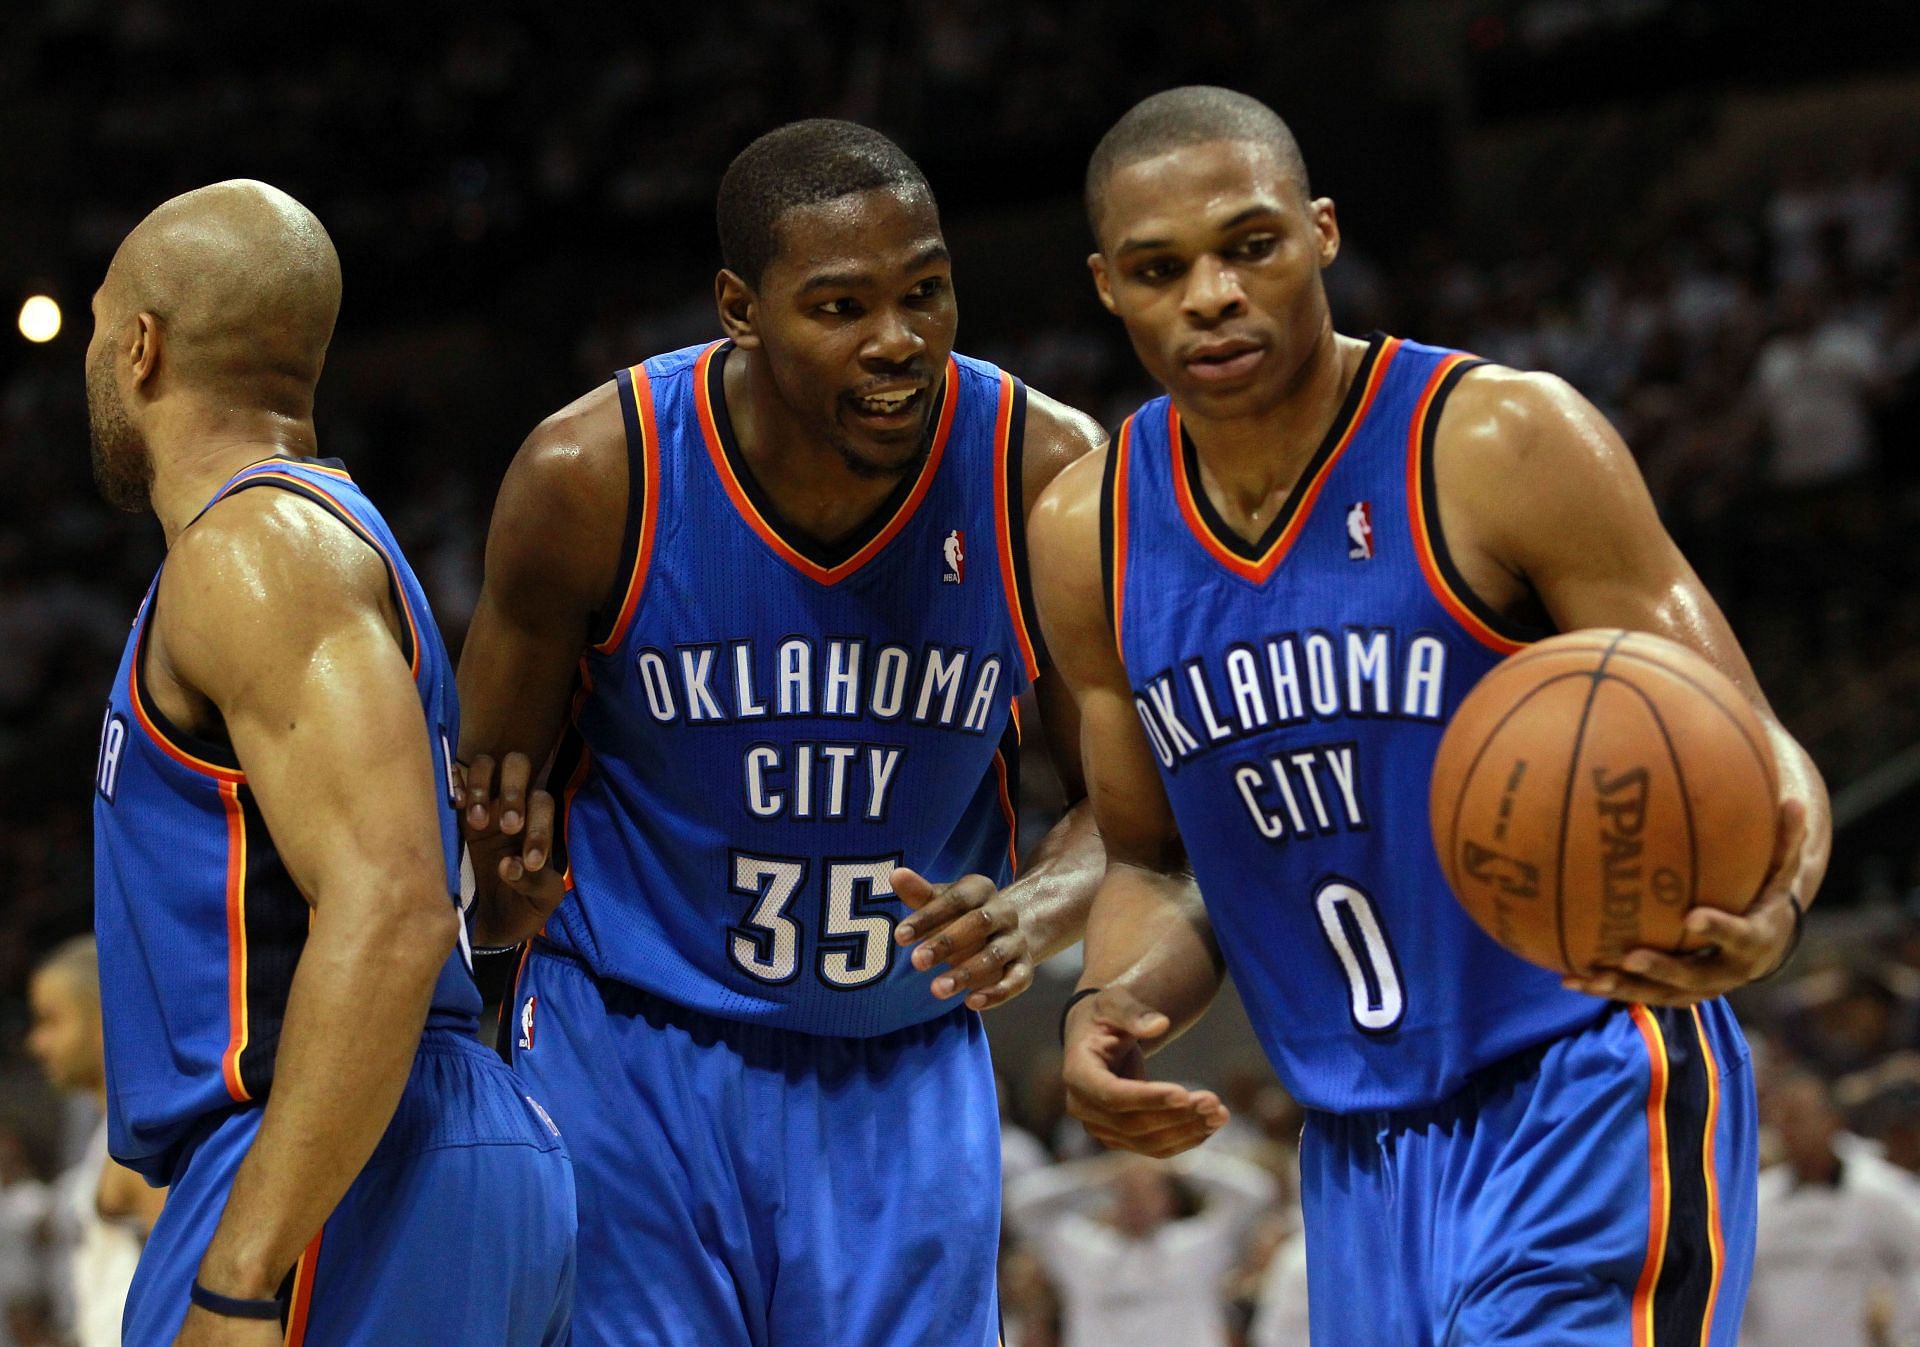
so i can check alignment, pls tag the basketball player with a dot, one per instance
(769, 596)
(275, 846)
(1270, 594)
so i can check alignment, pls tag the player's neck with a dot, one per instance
(1250, 462)
(194, 456)
(807, 480)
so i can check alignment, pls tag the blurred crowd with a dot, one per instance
(522, 203)
(1206, 1250)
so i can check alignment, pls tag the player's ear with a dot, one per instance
(1326, 224)
(737, 305)
(143, 348)
(1102, 280)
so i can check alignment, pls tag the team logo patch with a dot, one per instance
(526, 1024)
(551, 1125)
(955, 549)
(1360, 531)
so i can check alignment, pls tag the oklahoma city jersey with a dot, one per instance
(764, 731)
(199, 924)
(1294, 693)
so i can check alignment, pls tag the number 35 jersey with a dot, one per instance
(763, 731)
(1294, 692)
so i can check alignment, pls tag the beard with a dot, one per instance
(122, 467)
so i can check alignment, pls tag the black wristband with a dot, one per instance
(232, 1307)
(1793, 944)
(1073, 1001)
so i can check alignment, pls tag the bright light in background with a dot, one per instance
(40, 319)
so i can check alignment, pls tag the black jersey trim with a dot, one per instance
(1026, 613)
(825, 555)
(1224, 534)
(1429, 506)
(605, 623)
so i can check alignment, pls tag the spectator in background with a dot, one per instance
(102, 1212)
(24, 1202)
(1816, 380)
(1138, 1249)
(1837, 1262)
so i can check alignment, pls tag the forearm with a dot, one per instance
(1148, 934)
(1056, 890)
(334, 1089)
(1800, 780)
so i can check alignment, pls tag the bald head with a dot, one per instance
(244, 283)
(1177, 118)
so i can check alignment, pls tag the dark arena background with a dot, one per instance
(1701, 212)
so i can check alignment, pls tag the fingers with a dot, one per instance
(1789, 839)
(516, 773)
(1120, 1010)
(1017, 978)
(937, 905)
(1159, 1143)
(479, 794)
(966, 935)
(538, 844)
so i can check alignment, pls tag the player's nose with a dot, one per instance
(1213, 291)
(894, 341)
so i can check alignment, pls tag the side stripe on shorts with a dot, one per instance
(1674, 1301)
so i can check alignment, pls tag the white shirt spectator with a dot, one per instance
(1280, 1320)
(1832, 1261)
(1157, 1289)
(101, 1254)
(1814, 387)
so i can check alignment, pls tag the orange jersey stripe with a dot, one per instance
(1005, 520)
(825, 575)
(1659, 1177)
(1716, 1239)
(1120, 450)
(1422, 541)
(236, 940)
(159, 736)
(300, 1304)
(643, 551)
(1259, 571)
(1006, 809)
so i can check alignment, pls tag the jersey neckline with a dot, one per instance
(824, 564)
(1255, 560)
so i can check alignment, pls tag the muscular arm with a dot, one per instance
(1589, 549)
(1148, 944)
(552, 551)
(276, 614)
(1045, 910)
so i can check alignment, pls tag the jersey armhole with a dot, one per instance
(1113, 533)
(610, 622)
(1486, 624)
(1010, 445)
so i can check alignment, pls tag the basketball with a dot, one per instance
(1594, 787)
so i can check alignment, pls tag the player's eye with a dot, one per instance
(1154, 272)
(1255, 247)
(928, 289)
(839, 308)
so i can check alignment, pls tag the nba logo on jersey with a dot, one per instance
(955, 549)
(526, 1026)
(1360, 532)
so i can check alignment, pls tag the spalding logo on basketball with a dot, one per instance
(1594, 787)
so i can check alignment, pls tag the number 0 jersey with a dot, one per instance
(763, 731)
(199, 924)
(1295, 692)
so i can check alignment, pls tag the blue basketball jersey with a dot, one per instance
(1295, 692)
(199, 924)
(763, 731)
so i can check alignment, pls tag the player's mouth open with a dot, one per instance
(1227, 359)
(893, 407)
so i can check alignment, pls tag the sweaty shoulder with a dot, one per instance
(1521, 464)
(561, 513)
(260, 572)
(1056, 437)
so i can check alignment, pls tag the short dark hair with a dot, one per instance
(802, 164)
(1176, 118)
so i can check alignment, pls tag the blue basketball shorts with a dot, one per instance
(1596, 1190)
(460, 1230)
(744, 1186)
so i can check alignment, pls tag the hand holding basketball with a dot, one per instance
(499, 804)
(1604, 804)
